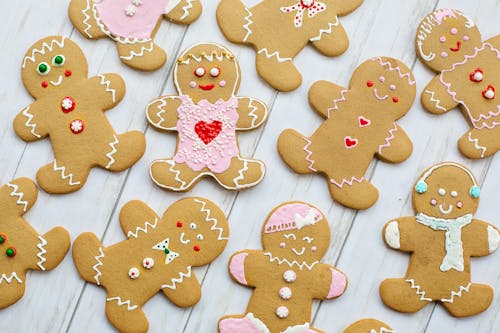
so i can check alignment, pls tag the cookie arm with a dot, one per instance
(17, 197)
(397, 146)
(331, 40)
(495, 41)
(107, 89)
(247, 266)
(481, 238)
(162, 112)
(185, 293)
(252, 113)
(29, 124)
(183, 11)
(324, 97)
(398, 233)
(51, 248)
(328, 282)
(345, 7)
(137, 219)
(435, 97)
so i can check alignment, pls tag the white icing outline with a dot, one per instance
(112, 152)
(9, 279)
(178, 280)
(299, 253)
(19, 196)
(445, 211)
(134, 54)
(388, 139)
(378, 97)
(435, 100)
(458, 294)
(274, 54)
(144, 229)
(186, 9)
(99, 263)
(45, 47)
(119, 301)
(252, 113)
(58, 82)
(418, 291)
(392, 235)
(41, 247)
(107, 83)
(493, 239)
(163, 103)
(210, 219)
(248, 24)
(69, 176)
(345, 181)
(182, 240)
(290, 263)
(326, 31)
(440, 165)
(28, 122)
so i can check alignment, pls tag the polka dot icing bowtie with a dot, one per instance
(163, 246)
(313, 7)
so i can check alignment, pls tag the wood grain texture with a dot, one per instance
(59, 301)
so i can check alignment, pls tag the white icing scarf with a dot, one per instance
(454, 257)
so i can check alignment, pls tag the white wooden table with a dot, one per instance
(59, 301)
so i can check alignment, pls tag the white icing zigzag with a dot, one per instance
(458, 294)
(144, 230)
(134, 54)
(248, 24)
(41, 247)
(240, 176)
(274, 54)
(326, 31)
(346, 181)
(112, 152)
(9, 278)
(28, 122)
(86, 20)
(107, 83)
(388, 139)
(19, 196)
(309, 154)
(210, 219)
(96, 266)
(177, 280)
(45, 47)
(290, 263)
(69, 176)
(186, 9)
(436, 101)
(419, 292)
(476, 144)
(252, 112)
(121, 303)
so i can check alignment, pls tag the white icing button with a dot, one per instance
(454, 194)
(137, 2)
(130, 10)
(282, 312)
(148, 263)
(489, 94)
(289, 276)
(215, 72)
(285, 293)
(133, 273)
(442, 191)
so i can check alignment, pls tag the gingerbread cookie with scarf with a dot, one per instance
(206, 115)
(360, 123)
(287, 275)
(132, 24)
(441, 238)
(369, 326)
(69, 110)
(22, 247)
(449, 43)
(279, 30)
(159, 255)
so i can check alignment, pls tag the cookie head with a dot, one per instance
(447, 190)
(52, 63)
(296, 231)
(207, 71)
(444, 37)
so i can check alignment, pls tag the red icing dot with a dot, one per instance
(196, 248)
(179, 224)
(68, 73)
(395, 99)
(45, 84)
(369, 83)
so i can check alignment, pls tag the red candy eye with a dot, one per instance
(197, 248)
(477, 75)
(200, 71)
(395, 99)
(215, 71)
(45, 84)
(179, 224)
(369, 83)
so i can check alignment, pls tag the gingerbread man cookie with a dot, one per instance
(369, 326)
(69, 109)
(441, 238)
(279, 30)
(360, 124)
(22, 247)
(287, 274)
(449, 43)
(157, 256)
(132, 24)
(206, 115)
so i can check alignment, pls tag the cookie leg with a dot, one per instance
(124, 150)
(353, 192)
(294, 149)
(83, 17)
(145, 56)
(11, 288)
(240, 323)
(480, 143)
(60, 177)
(52, 248)
(125, 315)
(172, 175)
(469, 301)
(242, 173)
(235, 20)
(399, 295)
(88, 256)
(277, 69)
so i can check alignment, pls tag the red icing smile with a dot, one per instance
(207, 87)
(456, 49)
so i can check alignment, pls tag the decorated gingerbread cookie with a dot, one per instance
(132, 24)
(22, 247)
(369, 326)
(441, 238)
(450, 44)
(360, 123)
(157, 256)
(69, 109)
(206, 115)
(287, 274)
(279, 30)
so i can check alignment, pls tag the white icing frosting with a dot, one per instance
(493, 239)
(133, 273)
(302, 221)
(282, 312)
(285, 293)
(297, 328)
(392, 236)
(257, 323)
(289, 276)
(148, 263)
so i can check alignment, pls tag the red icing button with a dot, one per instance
(477, 75)
(68, 73)
(369, 83)
(45, 84)
(489, 92)
(395, 99)
(179, 224)
(208, 131)
(197, 248)
(77, 126)
(68, 104)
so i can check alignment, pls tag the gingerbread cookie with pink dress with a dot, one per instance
(287, 274)
(206, 115)
(449, 43)
(132, 24)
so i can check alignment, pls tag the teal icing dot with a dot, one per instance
(475, 192)
(421, 187)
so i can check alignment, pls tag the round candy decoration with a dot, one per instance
(77, 126)
(133, 273)
(285, 293)
(148, 263)
(289, 276)
(282, 312)
(11, 252)
(3, 238)
(68, 104)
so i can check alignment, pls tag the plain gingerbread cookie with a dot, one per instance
(279, 30)
(287, 274)
(360, 123)
(369, 326)
(132, 24)
(157, 256)
(206, 115)
(22, 247)
(69, 110)
(449, 43)
(441, 238)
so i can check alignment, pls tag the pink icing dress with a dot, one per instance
(131, 18)
(207, 134)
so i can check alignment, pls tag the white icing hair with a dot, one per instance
(440, 165)
(46, 46)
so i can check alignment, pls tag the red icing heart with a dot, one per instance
(208, 131)
(363, 122)
(350, 142)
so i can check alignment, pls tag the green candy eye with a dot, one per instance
(43, 68)
(58, 60)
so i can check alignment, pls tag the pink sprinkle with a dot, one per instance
(442, 39)
(459, 204)
(444, 54)
(392, 87)
(282, 245)
(381, 79)
(465, 38)
(314, 248)
(453, 31)
(222, 83)
(433, 202)
(192, 84)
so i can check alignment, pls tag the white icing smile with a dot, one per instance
(378, 97)
(58, 82)
(447, 211)
(184, 241)
(299, 253)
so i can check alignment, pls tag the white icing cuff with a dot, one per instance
(493, 239)
(392, 236)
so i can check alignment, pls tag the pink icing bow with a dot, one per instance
(313, 7)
